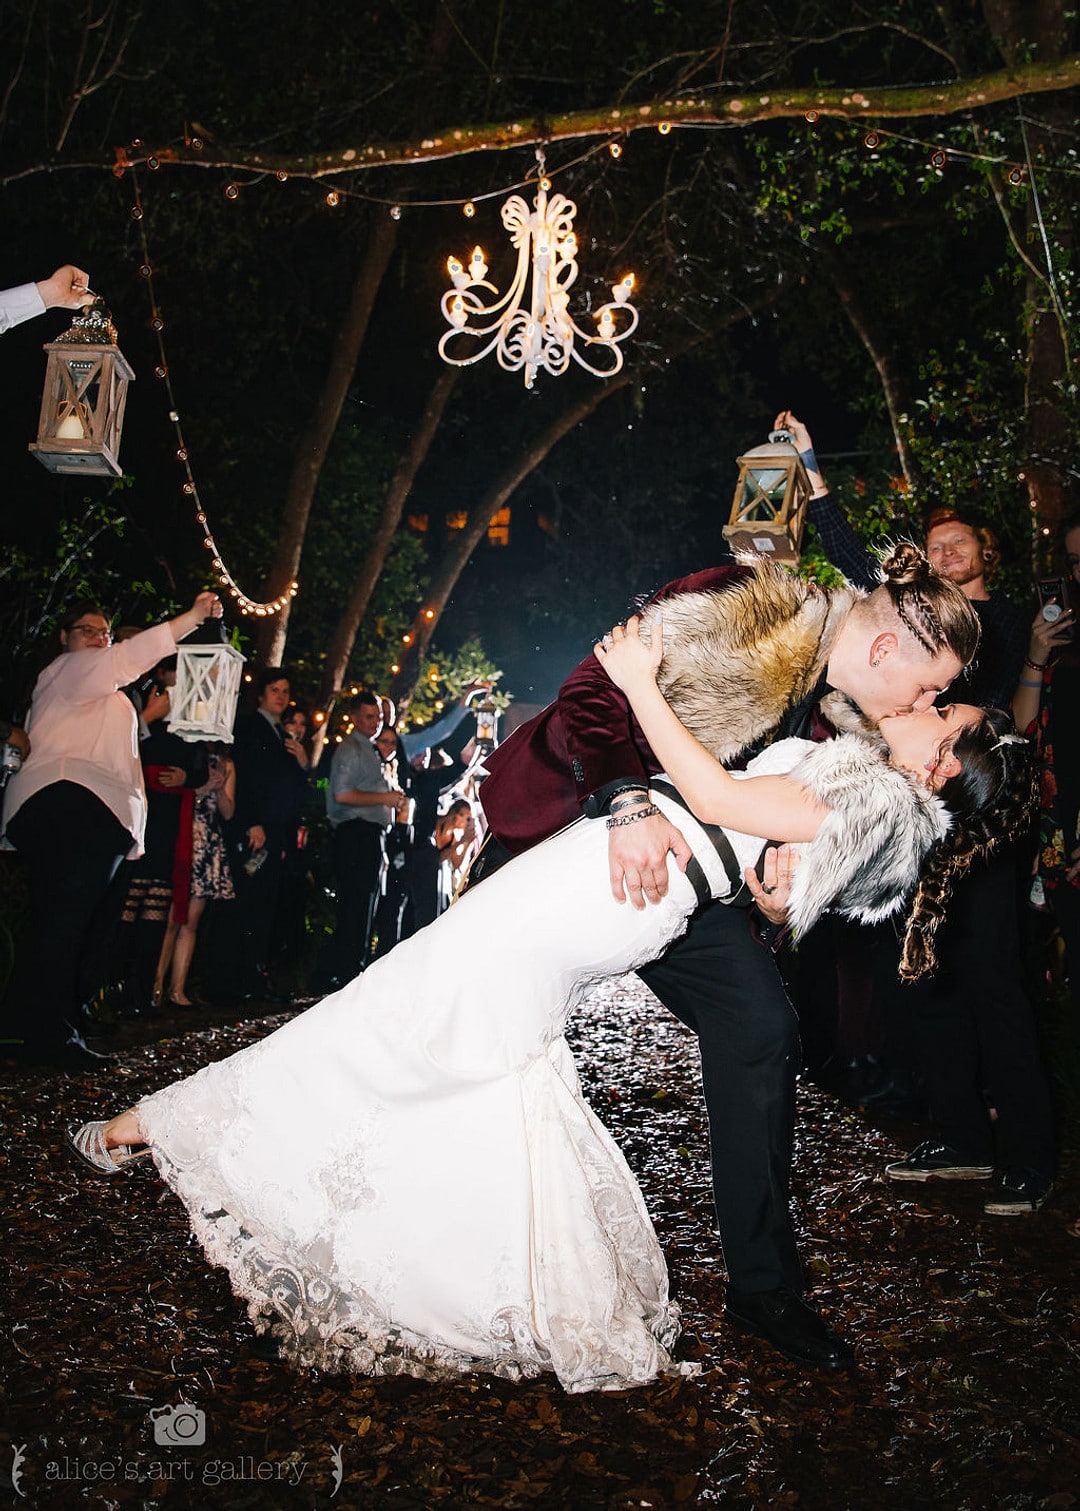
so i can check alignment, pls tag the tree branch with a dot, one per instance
(709, 109)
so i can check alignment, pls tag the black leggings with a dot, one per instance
(72, 844)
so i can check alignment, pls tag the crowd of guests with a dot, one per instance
(132, 836)
(962, 1050)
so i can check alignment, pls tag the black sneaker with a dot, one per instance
(1018, 1191)
(933, 1160)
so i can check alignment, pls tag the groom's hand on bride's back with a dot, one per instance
(637, 859)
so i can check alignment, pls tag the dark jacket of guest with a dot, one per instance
(270, 784)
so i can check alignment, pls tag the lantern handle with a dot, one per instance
(781, 436)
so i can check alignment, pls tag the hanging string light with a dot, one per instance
(246, 605)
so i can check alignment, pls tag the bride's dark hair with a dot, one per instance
(991, 800)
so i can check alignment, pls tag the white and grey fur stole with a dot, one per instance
(868, 853)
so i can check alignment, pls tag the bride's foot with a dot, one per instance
(123, 1131)
(108, 1147)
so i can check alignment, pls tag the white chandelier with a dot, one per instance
(541, 333)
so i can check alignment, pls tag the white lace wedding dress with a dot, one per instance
(406, 1179)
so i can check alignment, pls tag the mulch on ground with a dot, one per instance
(967, 1329)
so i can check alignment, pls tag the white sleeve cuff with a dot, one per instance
(19, 304)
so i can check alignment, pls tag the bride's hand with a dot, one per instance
(625, 657)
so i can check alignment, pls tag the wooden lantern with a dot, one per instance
(82, 407)
(487, 724)
(203, 702)
(769, 512)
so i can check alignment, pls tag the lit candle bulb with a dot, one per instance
(457, 311)
(623, 289)
(607, 325)
(477, 266)
(458, 276)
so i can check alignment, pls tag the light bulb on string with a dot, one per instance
(246, 605)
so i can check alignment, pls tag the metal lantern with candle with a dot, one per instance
(207, 687)
(769, 511)
(82, 406)
(487, 724)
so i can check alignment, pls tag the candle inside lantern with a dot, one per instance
(70, 427)
(200, 712)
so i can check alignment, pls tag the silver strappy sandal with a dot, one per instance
(88, 1142)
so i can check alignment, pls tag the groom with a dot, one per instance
(749, 653)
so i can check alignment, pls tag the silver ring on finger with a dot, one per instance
(767, 890)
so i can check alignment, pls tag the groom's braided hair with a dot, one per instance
(933, 610)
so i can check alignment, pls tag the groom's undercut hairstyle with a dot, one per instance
(934, 612)
(988, 541)
(365, 698)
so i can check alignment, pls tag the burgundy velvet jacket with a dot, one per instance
(575, 754)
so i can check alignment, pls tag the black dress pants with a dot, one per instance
(358, 855)
(725, 986)
(243, 970)
(72, 845)
(976, 1028)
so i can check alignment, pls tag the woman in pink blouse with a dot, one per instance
(74, 811)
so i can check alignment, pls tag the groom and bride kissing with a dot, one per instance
(406, 1178)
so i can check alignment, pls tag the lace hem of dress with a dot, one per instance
(319, 1325)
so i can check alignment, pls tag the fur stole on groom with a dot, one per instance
(735, 661)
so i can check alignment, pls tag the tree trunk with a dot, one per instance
(1050, 28)
(344, 637)
(315, 442)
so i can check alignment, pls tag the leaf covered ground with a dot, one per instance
(967, 1330)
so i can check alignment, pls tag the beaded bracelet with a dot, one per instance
(631, 818)
(1036, 666)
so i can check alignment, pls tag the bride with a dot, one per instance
(406, 1179)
